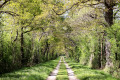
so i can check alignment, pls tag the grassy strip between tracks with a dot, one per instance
(62, 74)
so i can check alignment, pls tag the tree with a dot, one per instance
(108, 15)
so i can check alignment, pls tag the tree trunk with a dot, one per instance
(109, 19)
(47, 45)
(52, 57)
(22, 48)
(100, 53)
(116, 54)
(107, 50)
(101, 58)
(46, 49)
(109, 16)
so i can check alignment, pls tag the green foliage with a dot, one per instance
(34, 22)
(35, 31)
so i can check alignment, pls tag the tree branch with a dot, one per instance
(66, 9)
(9, 12)
(16, 36)
(2, 5)
(41, 36)
(32, 29)
(77, 5)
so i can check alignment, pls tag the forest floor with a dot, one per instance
(63, 71)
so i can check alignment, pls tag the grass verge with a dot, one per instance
(62, 74)
(85, 73)
(37, 72)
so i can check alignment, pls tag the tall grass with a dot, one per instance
(86, 73)
(37, 72)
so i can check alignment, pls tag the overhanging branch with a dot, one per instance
(32, 29)
(9, 12)
(77, 3)
(5, 2)
(66, 9)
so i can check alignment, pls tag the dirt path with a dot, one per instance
(54, 73)
(71, 75)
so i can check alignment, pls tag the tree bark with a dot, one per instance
(46, 49)
(22, 48)
(101, 59)
(107, 50)
(116, 54)
(100, 54)
(52, 57)
(47, 45)
(109, 19)
(109, 15)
